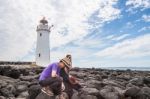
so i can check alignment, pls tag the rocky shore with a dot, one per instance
(97, 83)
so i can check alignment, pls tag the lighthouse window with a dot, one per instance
(40, 34)
(39, 54)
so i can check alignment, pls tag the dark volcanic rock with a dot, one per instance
(144, 93)
(21, 88)
(91, 91)
(132, 92)
(137, 81)
(18, 83)
(84, 95)
(6, 92)
(10, 72)
(23, 94)
(147, 80)
(79, 74)
(114, 83)
(94, 84)
(29, 78)
(87, 97)
(109, 92)
(24, 72)
(2, 97)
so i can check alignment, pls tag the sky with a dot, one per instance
(97, 33)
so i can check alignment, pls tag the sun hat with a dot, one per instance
(67, 61)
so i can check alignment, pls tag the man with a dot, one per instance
(54, 69)
(61, 69)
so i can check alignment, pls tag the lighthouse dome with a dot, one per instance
(44, 21)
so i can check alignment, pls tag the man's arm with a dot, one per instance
(54, 71)
(64, 75)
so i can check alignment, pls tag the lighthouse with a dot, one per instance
(43, 46)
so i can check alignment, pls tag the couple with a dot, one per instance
(56, 81)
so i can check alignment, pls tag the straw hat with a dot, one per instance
(67, 61)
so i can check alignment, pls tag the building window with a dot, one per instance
(39, 55)
(40, 34)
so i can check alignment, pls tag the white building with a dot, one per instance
(42, 47)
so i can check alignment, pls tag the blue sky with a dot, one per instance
(98, 33)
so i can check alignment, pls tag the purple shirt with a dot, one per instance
(48, 71)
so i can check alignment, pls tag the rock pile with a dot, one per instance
(97, 83)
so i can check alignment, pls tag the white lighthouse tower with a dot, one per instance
(42, 47)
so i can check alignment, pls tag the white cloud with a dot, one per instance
(89, 43)
(129, 25)
(117, 38)
(134, 4)
(121, 37)
(146, 18)
(136, 47)
(144, 29)
(19, 19)
(108, 12)
(110, 37)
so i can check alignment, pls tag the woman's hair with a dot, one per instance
(54, 84)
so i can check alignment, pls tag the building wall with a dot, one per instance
(43, 48)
